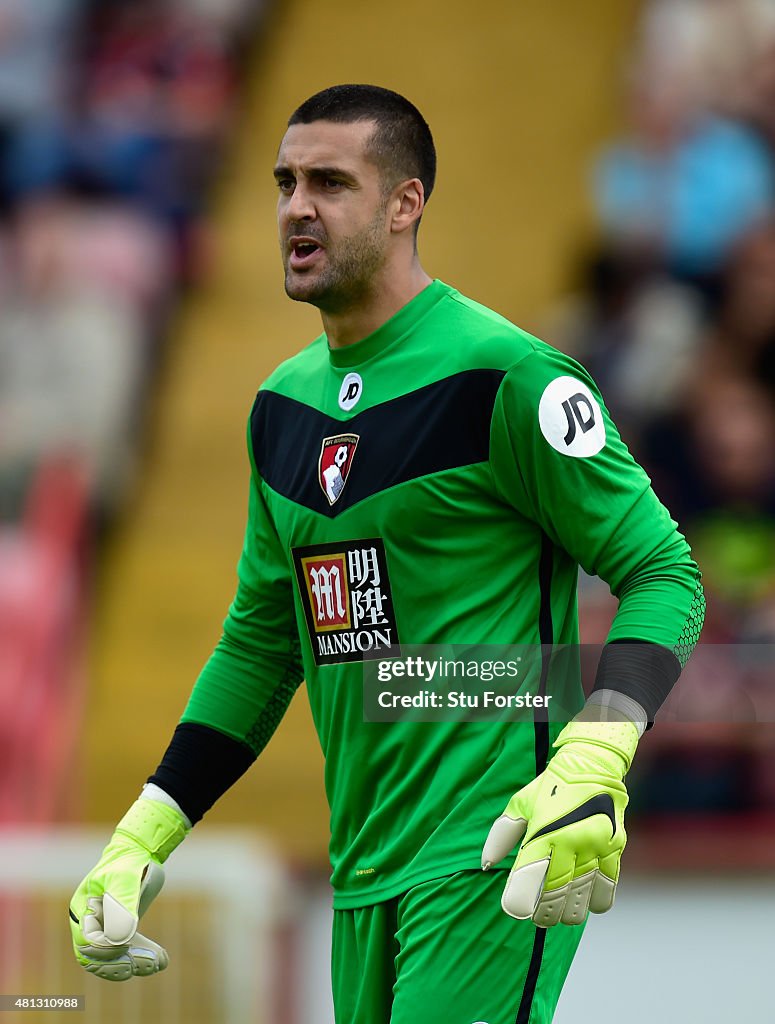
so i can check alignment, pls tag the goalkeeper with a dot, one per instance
(424, 472)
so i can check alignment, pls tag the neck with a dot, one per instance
(389, 293)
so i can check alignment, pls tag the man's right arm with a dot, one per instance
(235, 706)
(247, 684)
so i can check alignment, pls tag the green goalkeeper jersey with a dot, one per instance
(438, 482)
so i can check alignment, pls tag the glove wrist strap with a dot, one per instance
(155, 826)
(620, 737)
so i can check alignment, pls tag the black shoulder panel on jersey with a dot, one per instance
(441, 426)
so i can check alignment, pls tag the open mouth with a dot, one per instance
(303, 253)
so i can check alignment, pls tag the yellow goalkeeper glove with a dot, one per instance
(108, 904)
(570, 820)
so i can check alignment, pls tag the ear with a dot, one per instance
(407, 205)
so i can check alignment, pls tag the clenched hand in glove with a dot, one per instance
(570, 820)
(106, 907)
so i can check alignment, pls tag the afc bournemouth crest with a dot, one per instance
(345, 592)
(336, 458)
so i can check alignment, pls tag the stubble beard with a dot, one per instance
(348, 276)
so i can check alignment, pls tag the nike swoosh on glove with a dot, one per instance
(107, 906)
(570, 820)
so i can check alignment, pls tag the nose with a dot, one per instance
(300, 205)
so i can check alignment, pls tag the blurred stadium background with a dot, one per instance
(607, 180)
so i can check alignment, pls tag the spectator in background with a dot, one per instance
(689, 178)
(742, 336)
(36, 51)
(755, 100)
(713, 456)
(152, 110)
(73, 337)
(636, 331)
(686, 183)
(36, 48)
(713, 461)
(713, 42)
(158, 97)
(105, 163)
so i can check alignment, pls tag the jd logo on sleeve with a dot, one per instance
(570, 418)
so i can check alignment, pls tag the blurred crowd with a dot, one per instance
(113, 120)
(675, 319)
(114, 116)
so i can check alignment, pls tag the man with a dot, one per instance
(423, 473)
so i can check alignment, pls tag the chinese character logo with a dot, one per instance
(336, 458)
(347, 600)
(367, 595)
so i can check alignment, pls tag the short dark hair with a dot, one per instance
(402, 144)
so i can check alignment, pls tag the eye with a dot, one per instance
(332, 184)
(286, 185)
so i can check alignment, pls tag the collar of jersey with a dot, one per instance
(392, 330)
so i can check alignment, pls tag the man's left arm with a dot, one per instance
(557, 457)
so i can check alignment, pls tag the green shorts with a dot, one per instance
(445, 953)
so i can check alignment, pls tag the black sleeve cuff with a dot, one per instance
(644, 671)
(199, 765)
